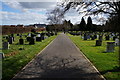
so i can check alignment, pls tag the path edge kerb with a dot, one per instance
(87, 59)
(34, 57)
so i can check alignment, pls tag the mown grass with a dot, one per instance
(106, 63)
(19, 58)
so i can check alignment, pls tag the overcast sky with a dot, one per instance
(14, 12)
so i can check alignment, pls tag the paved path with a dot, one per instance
(61, 59)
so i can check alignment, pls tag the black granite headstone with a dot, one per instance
(21, 41)
(32, 41)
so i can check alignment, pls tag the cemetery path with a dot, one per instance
(61, 59)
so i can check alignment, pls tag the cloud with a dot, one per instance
(22, 18)
(26, 6)
(32, 12)
(33, 5)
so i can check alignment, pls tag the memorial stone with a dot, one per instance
(114, 37)
(28, 38)
(21, 41)
(117, 42)
(17, 34)
(32, 41)
(5, 45)
(107, 37)
(10, 40)
(110, 46)
(85, 37)
(98, 43)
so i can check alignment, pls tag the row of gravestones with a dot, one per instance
(93, 36)
(31, 38)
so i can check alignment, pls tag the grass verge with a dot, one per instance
(106, 63)
(16, 59)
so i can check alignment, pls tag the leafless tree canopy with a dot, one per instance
(90, 8)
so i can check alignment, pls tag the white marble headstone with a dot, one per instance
(116, 41)
(39, 35)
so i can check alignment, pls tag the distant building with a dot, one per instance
(40, 25)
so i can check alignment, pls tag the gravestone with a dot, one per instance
(51, 33)
(29, 34)
(107, 37)
(32, 41)
(117, 42)
(100, 38)
(17, 34)
(5, 45)
(10, 40)
(21, 41)
(13, 38)
(88, 36)
(110, 46)
(114, 37)
(48, 34)
(98, 43)
(95, 36)
(2, 56)
(85, 37)
(92, 38)
(28, 38)
(45, 37)
(39, 35)
(38, 38)
(42, 36)
(33, 35)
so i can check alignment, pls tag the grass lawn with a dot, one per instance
(16, 59)
(105, 62)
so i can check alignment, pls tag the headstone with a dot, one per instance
(28, 38)
(21, 41)
(38, 38)
(10, 40)
(2, 55)
(39, 35)
(98, 43)
(51, 33)
(95, 36)
(48, 34)
(92, 38)
(88, 36)
(17, 34)
(100, 38)
(85, 37)
(42, 36)
(5, 45)
(117, 42)
(29, 34)
(13, 38)
(107, 37)
(110, 46)
(45, 37)
(32, 41)
(33, 35)
(114, 37)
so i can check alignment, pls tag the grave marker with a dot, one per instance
(10, 40)
(110, 46)
(117, 42)
(5, 45)
(21, 41)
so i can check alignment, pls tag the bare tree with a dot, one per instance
(55, 17)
